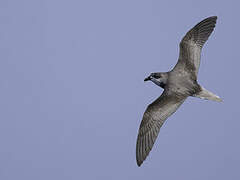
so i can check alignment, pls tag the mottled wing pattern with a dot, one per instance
(153, 118)
(193, 41)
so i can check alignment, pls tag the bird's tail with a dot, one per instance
(205, 94)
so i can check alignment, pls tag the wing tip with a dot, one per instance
(139, 151)
(201, 31)
(142, 150)
(212, 17)
(139, 163)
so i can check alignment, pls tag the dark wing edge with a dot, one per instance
(153, 118)
(193, 41)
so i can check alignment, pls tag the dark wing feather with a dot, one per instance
(153, 118)
(192, 43)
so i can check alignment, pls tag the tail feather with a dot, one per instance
(205, 94)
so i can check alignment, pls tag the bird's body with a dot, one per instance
(178, 84)
(182, 82)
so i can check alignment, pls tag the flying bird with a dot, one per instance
(178, 84)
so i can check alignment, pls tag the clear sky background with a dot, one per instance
(72, 93)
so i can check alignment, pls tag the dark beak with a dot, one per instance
(148, 78)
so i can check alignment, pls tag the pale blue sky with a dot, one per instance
(72, 91)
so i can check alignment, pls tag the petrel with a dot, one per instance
(178, 84)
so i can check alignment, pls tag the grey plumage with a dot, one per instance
(192, 43)
(178, 84)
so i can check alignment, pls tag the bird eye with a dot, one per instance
(156, 75)
(153, 75)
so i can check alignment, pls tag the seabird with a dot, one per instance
(178, 84)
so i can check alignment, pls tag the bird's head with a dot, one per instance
(158, 78)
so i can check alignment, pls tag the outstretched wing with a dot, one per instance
(153, 118)
(192, 43)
